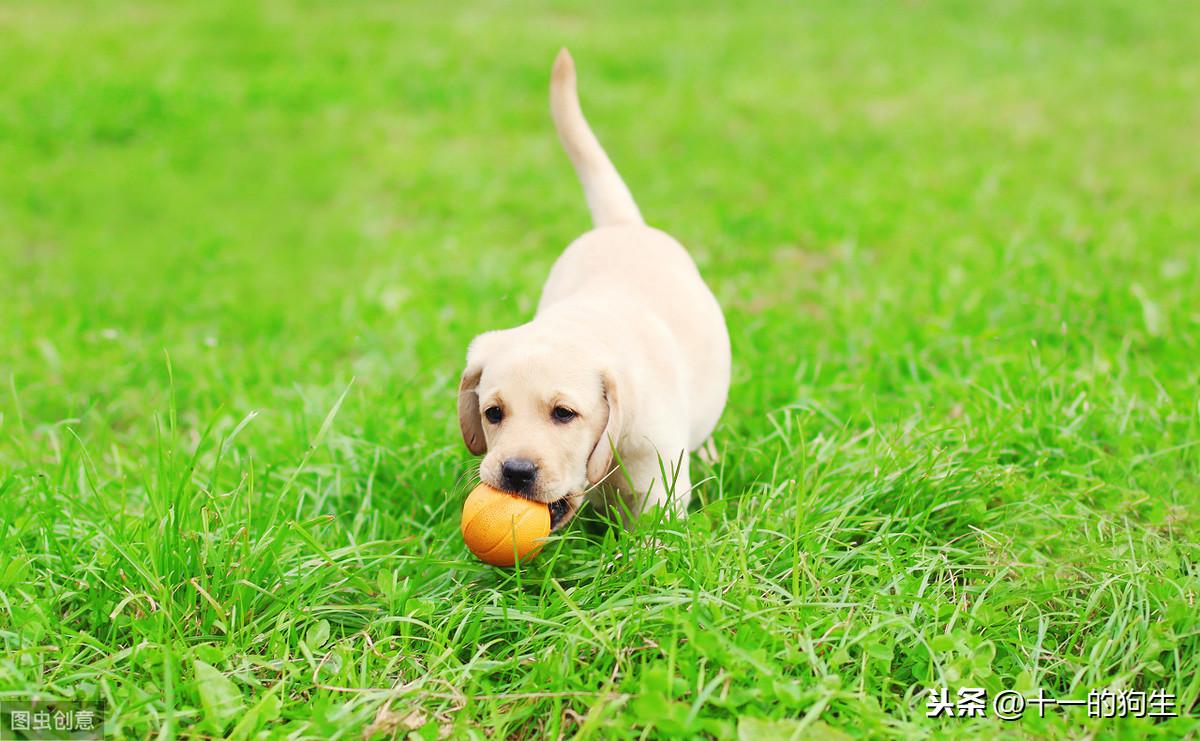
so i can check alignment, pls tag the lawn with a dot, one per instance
(243, 248)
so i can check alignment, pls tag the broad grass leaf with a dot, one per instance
(219, 696)
(259, 716)
(317, 635)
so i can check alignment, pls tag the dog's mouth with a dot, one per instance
(560, 512)
(564, 509)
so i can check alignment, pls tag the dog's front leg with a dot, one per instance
(656, 477)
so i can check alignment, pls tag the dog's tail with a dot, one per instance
(608, 198)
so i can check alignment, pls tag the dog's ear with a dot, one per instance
(601, 458)
(468, 400)
(468, 410)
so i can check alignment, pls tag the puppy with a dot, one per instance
(628, 354)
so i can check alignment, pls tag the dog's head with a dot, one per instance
(545, 414)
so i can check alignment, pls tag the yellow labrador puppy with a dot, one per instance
(628, 352)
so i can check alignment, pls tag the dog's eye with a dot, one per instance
(494, 415)
(562, 414)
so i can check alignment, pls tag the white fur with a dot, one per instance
(627, 335)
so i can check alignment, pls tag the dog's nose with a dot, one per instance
(518, 473)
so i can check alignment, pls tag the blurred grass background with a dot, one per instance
(956, 243)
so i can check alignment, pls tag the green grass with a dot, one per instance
(243, 251)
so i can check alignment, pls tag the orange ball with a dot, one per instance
(500, 527)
